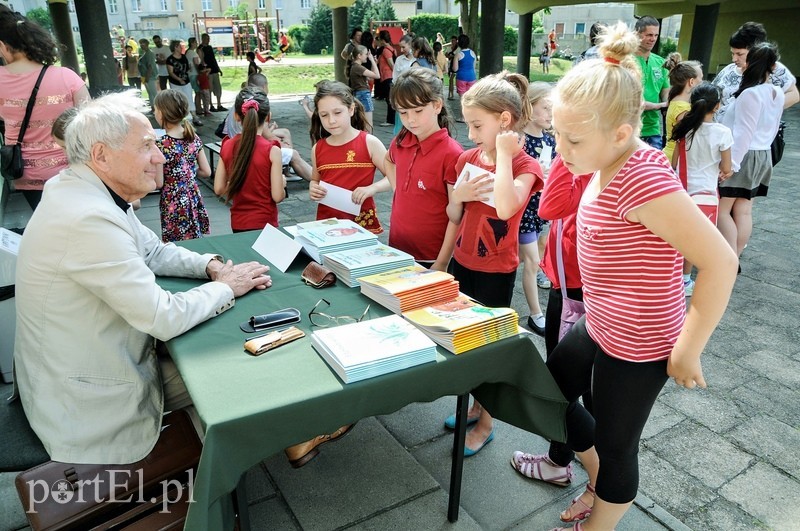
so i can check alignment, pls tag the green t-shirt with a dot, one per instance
(655, 78)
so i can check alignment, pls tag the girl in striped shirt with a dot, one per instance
(635, 223)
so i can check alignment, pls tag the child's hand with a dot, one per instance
(474, 188)
(686, 370)
(724, 176)
(316, 192)
(362, 193)
(509, 143)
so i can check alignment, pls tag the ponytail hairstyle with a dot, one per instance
(174, 108)
(608, 90)
(356, 51)
(417, 87)
(704, 99)
(501, 92)
(437, 49)
(27, 37)
(252, 107)
(342, 92)
(680, 73)
(761, 59)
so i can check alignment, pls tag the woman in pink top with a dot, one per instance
(26, 47)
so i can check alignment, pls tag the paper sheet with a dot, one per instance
(278, 248)
(339, 198)
(475, 171)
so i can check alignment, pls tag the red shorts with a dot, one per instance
(708, 203)
(463, 86)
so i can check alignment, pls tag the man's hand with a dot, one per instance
(242, 277)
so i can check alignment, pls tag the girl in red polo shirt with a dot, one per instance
(421, 170)
(343, 153)
(251, 172)
(634, 223)
(486, 253)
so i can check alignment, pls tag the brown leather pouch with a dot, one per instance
(259, 345)
(84, 496)
(318, 276)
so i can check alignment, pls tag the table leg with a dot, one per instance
(240, 503)
(457, 465)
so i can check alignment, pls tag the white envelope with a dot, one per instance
(278, 248)
(339, 198)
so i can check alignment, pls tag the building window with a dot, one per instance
(112, 6)
(206, 5)
(232, 3)
(262, 4)
(179, 5)
(182, 25)
(580, 28)
(164, 5)
(419, 5)
(305, 4)
(136, 6)
(149, 25)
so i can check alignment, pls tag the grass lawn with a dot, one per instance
(300, 79)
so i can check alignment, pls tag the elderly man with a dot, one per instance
(655, 81)
(88, 305)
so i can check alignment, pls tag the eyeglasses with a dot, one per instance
(323, 319)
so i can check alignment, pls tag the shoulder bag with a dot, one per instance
(11, 163)
(571, 310)
(778, 144)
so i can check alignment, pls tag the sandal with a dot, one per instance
(577, 527)
(542, 468)
(585, 510)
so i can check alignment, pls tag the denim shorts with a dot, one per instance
(366, 100)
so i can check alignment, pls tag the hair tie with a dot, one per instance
(249, 104)
(611, 60)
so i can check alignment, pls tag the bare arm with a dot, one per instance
(725, 165)
(448, 243)
(510, 193)
(220, 179)
(315, 191)
(377, 152)
(792, 97)
(675, 219)
(276, 180)
(203, 167)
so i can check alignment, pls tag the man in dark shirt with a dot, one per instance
(208, 58)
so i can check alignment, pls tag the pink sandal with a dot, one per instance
(577, 527)
(530, 466)
(585, 510)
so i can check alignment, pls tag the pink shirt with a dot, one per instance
(43, 158)
(632, 283)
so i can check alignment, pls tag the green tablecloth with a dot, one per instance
(253, 407)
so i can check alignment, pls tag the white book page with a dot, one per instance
(471, 171)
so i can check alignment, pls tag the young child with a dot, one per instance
(683, 77)
(252, 67)
(343, 154)
(421, 170)
(359, 77)
(204, 83)
(251, 174)
(634, 216)
(708, 153)
(183, 214)
(544, 59)
(485, 257)
(540, 145)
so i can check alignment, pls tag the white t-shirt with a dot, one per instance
(754, 118)
(191, 55)
(164, 51)
(703, 156)
(729, 79)
(401, 64)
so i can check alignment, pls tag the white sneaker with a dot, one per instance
(688, 287)
(542, 281)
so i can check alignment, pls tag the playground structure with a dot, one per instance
(396, 28)
(240, 35)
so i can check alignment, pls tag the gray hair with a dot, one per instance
(105, 120)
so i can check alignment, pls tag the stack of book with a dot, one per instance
(410, 287)
(371, 348)
(351, 264)
(463, 324)
(331, 235)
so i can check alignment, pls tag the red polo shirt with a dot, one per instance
(419, 209)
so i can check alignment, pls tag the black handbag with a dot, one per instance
(778, 144)
(11, 163)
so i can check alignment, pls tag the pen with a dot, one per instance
(267, 333)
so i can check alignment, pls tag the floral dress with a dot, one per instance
(531, 222)
(183, 214)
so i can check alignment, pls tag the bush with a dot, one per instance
(667, 47)
(427, 25)
(297, 36)
(510, 39)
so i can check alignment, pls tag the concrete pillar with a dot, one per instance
(703, 29)
(524, 45)
(62, 27)
(97, 51)
(340, 38)
(493, 14)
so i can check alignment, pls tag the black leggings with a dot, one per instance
(494, 290)
(623, 393)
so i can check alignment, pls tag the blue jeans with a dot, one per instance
(365, 98)
(655, 141)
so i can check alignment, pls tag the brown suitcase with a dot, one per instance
(150, 494)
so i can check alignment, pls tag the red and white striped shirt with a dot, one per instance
(632, 283)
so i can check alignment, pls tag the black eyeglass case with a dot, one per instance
(270, 320)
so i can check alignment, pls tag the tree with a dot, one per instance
(356, 13)
(41, 16)
(320, 30)
(469, 22)
(239, 12)
(380, 10)
(538, 25)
